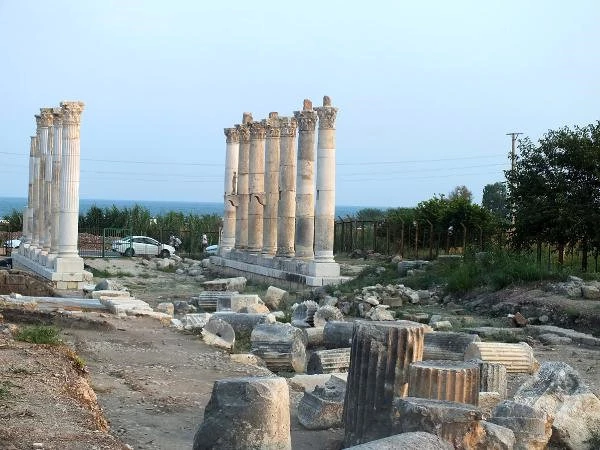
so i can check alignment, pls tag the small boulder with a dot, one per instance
(165, 307)
(275, 296)
(519, 320)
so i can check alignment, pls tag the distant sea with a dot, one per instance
(7, 204)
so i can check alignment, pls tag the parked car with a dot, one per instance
(13, 243)
(211, 249)
(142, 245)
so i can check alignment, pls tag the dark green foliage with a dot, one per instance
(495, 200)
(242, 342)
(15, 220)
(39, 334)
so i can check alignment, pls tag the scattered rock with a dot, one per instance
(166, 307)
(519, 320)
(554, 339)
(275, 296)
(219, 333)
(323, 407)
(327, 314)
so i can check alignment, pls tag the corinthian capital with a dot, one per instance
(57, 114)
(232, 135)
(307, 120)
(46, 117)
(244, 133)
(258, 130)
(272, 125)
(327, 116)
(71, 112)
(288, 126)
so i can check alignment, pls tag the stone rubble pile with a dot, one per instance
(576, 287)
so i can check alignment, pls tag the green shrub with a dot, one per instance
(242, 342)
(39, 334)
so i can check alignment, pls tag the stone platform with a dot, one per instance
(73, 277)
(274, 269)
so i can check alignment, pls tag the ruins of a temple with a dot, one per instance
(280, 203)
(50, 220)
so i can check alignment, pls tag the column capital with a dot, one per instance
(57, 114)
(71, 112)
(288, 126)
(38, 121)
(272, 124)
(46, 117)
(258, 130)
(244, 133)
(307, 118)
(232, 135)
(327, 115)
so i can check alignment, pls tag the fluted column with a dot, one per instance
(454, 381)
(286, 208)
(256, 186)
(305, 197)
(272, 149)
(55, 185)
(43, 148)
(232, 150)
(241, 218)
(69, 179)
(47, 136)
(35, 207)
(517, 358)
(28, 216)
(325, 201)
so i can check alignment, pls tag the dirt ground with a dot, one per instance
(151, 382)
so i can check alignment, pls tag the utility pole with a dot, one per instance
(513, 149)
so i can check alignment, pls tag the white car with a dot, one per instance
(142, 245)
(211, 249)
(13, 243)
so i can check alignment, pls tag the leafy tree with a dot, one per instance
(14, 220)
(495, 199)
(461, 192)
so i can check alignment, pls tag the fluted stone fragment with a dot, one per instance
(338, 334)
(380, 357)
(243, 323)
(329, 361)
(246, 413)
(281, 346)
(208, 300)
(323, 407)
(303, 315)
(219, 333)
(492, 378)
(326, 314)
(517, 358)
(447, 345)
(314, 336)
(454, 381)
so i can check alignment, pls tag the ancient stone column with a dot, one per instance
(305, 182)
(447, 345)
(281, 346)
(455, 381)
(272, 149)
(69, 184)
(243, 197)
(232, 151)
(28, 216)
(48, 130)
(379, 371)
(328, 361)
(338, 334)
(246, 413)
(325, 201)
(517, 358)
(55, 186)
(35, 194)
(286, 210)
(258, 132)
(45, 121)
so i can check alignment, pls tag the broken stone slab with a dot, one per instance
(380, 313)
(243, 323)
(208, 300)
(492, 332)
(590, 292)
(384, 350)
(338, 334)
(323, 407)
(406, 441)
(314, 336)
(275, 297)
(447, 345)
(303, 314)
(246, 413)
(237, 302)
(554, 339)
(125, 305)
(195, 321)
(326, 314)
(247, 358)
(307, 383)
(454, 381)
(517, 358)
(109, 285)
(176, 323)
(328, 361)
(493, 378)
(219, 333)
(257, 308)
(580, 338)
(571, 407)
(457, 423)
(226, 284)
(166, 307)
(488, 401)
(528, 424)
(110, 293)
(281, 346)
(496, 437)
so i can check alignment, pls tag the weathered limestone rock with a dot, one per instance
(166, 307)
(457, 423)
(573, 410)
(275, 296)
(196, 321)
(303, 315)
(384, 350)
(328, 361)
(323, 407)
(281, 346)
(237, 302)
(492, 378)
(243, 323)
(219, 333)
(496, 437)
(488, 400)
(338, 334)
(517, 358)
(527, 424)
(380, 313)
(590, 292)
(257, 308)
(226, 284)
(447, 345)
(109, 293)
(326, 314)
(208, 300)
(454, 381)
(246, 413)
(406, 441)
(314, 336)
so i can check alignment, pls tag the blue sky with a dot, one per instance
(427, 90)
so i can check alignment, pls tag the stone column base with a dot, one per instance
(67, 273)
